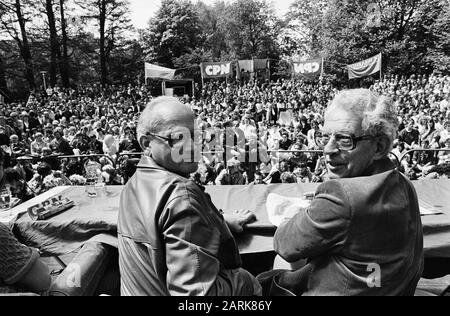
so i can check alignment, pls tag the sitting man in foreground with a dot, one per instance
(362, 234)
(172, 239)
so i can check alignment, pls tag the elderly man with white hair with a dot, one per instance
(172, 239)
(362, 234)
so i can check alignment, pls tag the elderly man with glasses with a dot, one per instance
(362, 234)
(172, 239)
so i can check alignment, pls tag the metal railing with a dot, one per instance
(409, 152)
(115, 161)
(88, 156)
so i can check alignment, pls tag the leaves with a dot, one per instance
(413, 35)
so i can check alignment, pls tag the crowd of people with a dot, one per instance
(278, 123)
(173, 240)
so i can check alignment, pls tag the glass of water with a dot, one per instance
(5, 199)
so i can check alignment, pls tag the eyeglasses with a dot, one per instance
(176, 138)
(343, 141)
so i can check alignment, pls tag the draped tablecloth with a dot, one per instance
(95, 219)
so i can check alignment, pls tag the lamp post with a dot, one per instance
(43, 73)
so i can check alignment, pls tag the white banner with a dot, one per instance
(158, 72)
(365, 68)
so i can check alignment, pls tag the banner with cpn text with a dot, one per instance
(216, 70)
(308, 68)
(365, 68)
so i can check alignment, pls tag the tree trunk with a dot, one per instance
(64, 62)
(25, 47)
(102, 22)
(3, 85)
(55, 51)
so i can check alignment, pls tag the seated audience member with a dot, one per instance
(172, 239)
(21, 269)
(59, 145)
(38, 145)
(444, 155)
(303, 173)
(49, 158)
(232, 175)
(129, 144)
(259, 178)
(285, 143)
(17, 147)
(80, 144)
(110, 146)
(274, 176)
(18, 186)
(362, 234)
(95, 146)
(298, 158)
(288, 177)
(410, 136)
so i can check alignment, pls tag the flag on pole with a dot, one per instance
(365, 68)
(158, 72)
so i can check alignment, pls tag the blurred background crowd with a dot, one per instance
(70, 137)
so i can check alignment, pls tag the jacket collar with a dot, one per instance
(379, 166)
(148, 163)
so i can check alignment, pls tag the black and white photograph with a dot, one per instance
(224, 153)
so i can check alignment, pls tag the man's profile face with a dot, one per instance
(181, 158)
(346, 163)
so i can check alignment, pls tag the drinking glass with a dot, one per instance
(5, 199)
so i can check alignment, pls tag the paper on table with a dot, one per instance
(428, 209)
(281, 208)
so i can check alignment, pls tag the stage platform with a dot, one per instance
(95, 219)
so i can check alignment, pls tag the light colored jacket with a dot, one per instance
(361, 236)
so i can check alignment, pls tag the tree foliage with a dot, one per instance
(85, 41)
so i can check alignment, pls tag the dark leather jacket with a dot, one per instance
(174, 241)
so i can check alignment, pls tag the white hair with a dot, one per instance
(150, 120)
(378, 113)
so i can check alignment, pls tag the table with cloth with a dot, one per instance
(95, 219)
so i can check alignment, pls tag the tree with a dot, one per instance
(213, 25)
(3, 85)
(112, 18)
(13, 15)
(173, 32)
(252, 29)
(64, 62)
(301, 34)
(439, 53)
(55, 50)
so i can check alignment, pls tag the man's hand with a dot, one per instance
(239, 219)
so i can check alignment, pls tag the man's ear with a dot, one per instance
(144, 141)
(383, 146)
